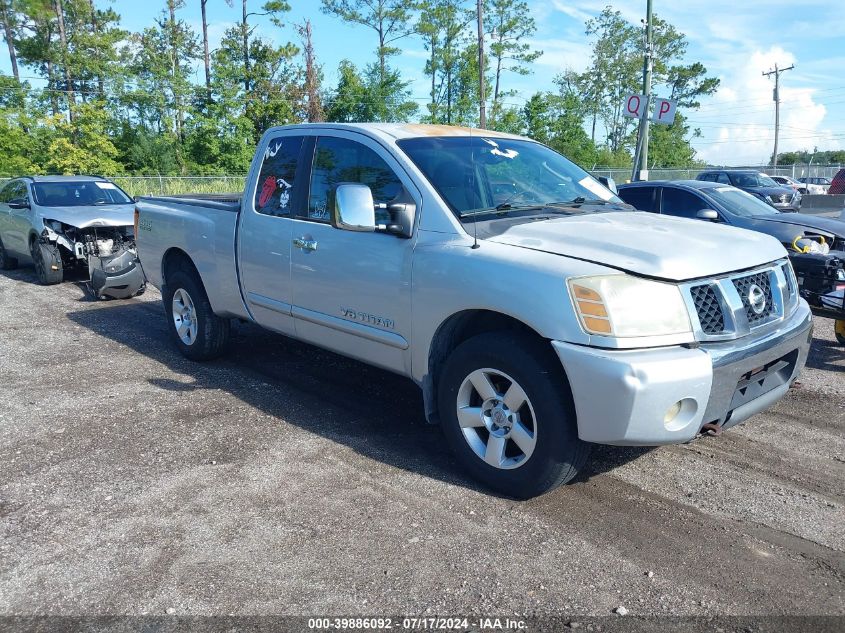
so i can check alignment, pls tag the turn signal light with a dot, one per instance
(592, 309)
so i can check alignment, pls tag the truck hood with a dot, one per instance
(93, 215)
(651, 245)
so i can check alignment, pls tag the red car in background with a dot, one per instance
(837, 185)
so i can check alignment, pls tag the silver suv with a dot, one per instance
(60, 223)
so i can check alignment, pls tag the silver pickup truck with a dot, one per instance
(538, 313)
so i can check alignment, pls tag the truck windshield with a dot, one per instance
(741, 203)
(78, 194)
(478, 173)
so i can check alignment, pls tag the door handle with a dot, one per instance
(306, 245)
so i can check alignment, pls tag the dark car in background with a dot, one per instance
(820, 264)
(718, 202)
(781, 197)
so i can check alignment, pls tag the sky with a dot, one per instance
(736, 40)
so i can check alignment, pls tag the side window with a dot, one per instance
(339, 160)
(708, 177)
(277, 175)
(723, 178)
(641, 198)
(7, 193)
(681, 203)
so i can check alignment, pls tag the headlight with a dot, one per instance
(624, 306)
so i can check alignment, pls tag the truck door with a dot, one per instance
(264, 235)
(351, 290)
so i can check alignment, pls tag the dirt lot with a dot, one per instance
(283, 479)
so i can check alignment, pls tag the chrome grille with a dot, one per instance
(744, 284)
(708, 308)
(787, 274)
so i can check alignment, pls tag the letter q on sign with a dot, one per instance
(664, 111)
(634, 105)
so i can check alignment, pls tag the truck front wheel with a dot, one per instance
(507, 413)
(198, 332)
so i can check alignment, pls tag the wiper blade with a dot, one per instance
(505, 206)
(582, 200)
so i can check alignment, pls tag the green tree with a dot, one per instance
(369, 96)
(616, 70)
(511, 24)
(9, 18)
(443, 25)
(83, 146)
(390, 19)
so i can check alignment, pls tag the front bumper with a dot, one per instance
(788, 207)
(118, 277)
(622, 396)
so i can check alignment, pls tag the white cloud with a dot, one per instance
(738, 122)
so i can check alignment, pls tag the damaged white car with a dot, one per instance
(62, 223)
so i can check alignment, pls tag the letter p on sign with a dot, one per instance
(664, 111)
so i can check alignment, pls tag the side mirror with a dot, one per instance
(707, 214)
(18, 203)
(354, 209)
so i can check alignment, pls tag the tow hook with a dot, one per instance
(712, 429)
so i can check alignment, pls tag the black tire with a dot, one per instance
(6, 262)
(558, 454)
(212, 332)
(48, 263)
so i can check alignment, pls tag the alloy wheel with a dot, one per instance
(496, 418)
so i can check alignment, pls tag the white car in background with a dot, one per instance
(61, 223)
(788, 181)
(815, 186)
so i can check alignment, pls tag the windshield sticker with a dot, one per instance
(595, 187)
(106, 185)
(273, 149)
(284, 197)
(508, 153)
(267, 190)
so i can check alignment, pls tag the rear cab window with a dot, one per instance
(276, 179)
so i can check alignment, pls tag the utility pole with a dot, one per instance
(776, 95)
(641, 162)
(482, 108)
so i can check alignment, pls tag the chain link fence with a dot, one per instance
(175, 185)
(793, 171)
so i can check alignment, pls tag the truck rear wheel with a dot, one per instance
(198, 332)
(48, 262)
(6, 262)
(507, 413)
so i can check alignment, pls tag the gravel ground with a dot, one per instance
(287, 480)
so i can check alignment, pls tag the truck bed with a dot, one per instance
(203, 227)
(226, 201)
